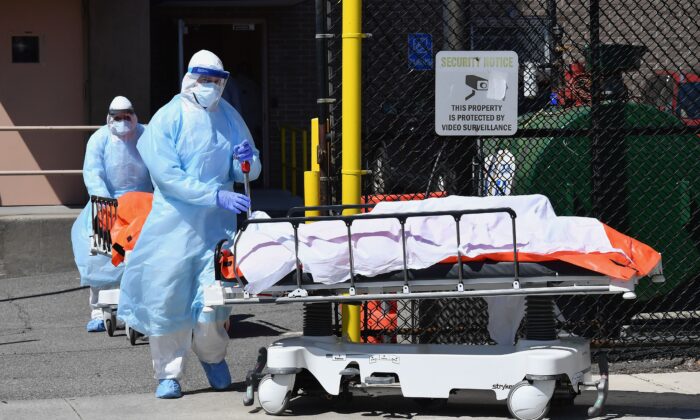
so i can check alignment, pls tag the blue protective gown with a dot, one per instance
(112, 167)
(189, 152)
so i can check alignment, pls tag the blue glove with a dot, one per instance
(243, 151)
(229, 200)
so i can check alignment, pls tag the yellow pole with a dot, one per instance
(350, 313)
(312, 178)
(314, 145)
(283, 140)
(294, 161)
(352, 143)
(312, 189)
(352, 101)
(304, 150)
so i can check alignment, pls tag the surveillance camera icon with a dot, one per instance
(476, 83)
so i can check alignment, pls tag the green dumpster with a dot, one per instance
(661, 175)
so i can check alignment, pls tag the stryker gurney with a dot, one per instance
(116, 224)
(527, 373)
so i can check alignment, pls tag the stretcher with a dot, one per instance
(526, 374)
(113, 236)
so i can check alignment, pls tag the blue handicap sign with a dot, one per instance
(420, 51)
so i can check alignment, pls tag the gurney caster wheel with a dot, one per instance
(274, 392)
(132, 335)
(109, 326)
(530, 400)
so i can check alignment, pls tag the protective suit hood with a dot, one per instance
(204, 95)
(123, 130)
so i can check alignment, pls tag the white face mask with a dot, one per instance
(206, 94)
(121, 128)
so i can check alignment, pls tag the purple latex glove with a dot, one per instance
(243, 151)
(235, 202)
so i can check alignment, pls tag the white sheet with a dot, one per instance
(266, 251)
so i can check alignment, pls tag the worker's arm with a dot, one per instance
(157, 149)
(94, 174)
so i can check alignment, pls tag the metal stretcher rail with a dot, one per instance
(539, 291)
(400, 217)
(423, 288)
(103, 216)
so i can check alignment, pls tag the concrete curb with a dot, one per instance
(36, 244)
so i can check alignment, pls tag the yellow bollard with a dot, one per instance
(283, 146)
(350, 313)
(294, 162)
(314, 145)
(304, 150)
(312, 187)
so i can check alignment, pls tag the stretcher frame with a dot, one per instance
(103, 216)
(354, 290)
(102, 209)
(539, 364)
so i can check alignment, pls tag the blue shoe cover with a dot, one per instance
(168, 388)
(96, 325)
(218, 375)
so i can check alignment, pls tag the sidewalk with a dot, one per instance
(657, 396)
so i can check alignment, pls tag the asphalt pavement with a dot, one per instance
(45, 351)
(50, 367)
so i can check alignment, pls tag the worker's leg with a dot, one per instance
(168, 353)
(209, 344)
(96, 324)
(96, 313)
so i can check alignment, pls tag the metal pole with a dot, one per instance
(49, 127)
(352, 102)
(294, 160)
(180, 48)
(352, 124)
(323, 101)
(454, 25)
(39, 172)
(283, 153)
(555, 33)
(596, 140)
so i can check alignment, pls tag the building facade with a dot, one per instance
(63, 62)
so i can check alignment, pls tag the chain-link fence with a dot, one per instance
(608, 123)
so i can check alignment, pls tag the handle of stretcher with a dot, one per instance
(245, 167)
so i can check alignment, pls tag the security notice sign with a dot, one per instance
(476, 93)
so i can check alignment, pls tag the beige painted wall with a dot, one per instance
(51, 92)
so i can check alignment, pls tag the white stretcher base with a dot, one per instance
(429, 370)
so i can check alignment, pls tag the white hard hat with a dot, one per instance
(120, 104)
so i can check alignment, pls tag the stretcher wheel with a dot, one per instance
(530, 401)
(109, 326)
(274, 392)
(131, 333)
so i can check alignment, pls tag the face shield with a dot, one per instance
(204, 86)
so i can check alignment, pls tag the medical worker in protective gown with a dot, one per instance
(112, 167)
(193, 147)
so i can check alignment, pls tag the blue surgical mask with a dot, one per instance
(121, 128)
(207, 94)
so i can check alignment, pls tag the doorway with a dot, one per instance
(241, 46)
